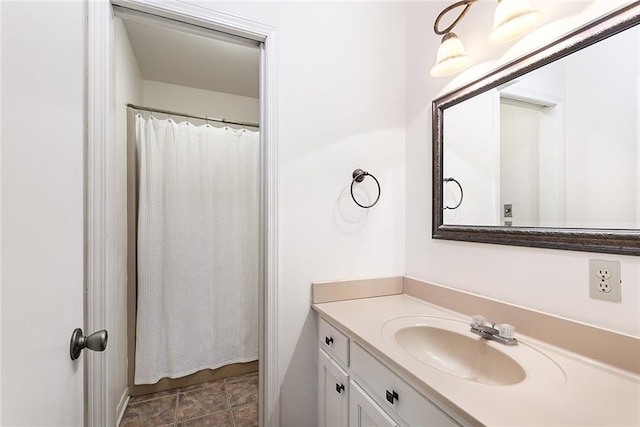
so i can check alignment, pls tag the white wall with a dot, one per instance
(552, 281)
(471, 158)
(601, 160)
(190, 100)
(128, 89)
(341, 105)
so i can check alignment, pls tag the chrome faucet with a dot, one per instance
(502, 333)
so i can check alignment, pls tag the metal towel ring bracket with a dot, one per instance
(358, 176)
(461, 193)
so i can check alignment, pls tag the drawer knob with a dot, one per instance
(392, 396)
(328, 340)
(339, 387)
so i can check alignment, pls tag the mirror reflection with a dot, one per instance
(557, 147)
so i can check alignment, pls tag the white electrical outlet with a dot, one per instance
(604, 280)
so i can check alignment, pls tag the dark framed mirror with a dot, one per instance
(545, 150)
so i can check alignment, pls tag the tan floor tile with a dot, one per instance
(151, 396)
(204, 404)
(201, 402)
(245, 415)
(199, 386)
(219, 419)
(243, 391)
(151, 413)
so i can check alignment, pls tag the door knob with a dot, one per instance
(97, 341)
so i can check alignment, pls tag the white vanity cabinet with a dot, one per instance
(357, 390)
(399, 398)
(364, 412)
(334, 342)
(333, 379)
(333, 393)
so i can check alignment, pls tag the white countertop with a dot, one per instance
(591, 393)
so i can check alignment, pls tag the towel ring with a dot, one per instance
(358, 176)
(461, 193)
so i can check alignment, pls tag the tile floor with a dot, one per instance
(229, 402)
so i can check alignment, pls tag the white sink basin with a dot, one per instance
(460, 355)
(448, 346)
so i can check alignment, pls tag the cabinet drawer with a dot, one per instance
(334, 342)
(394, 393)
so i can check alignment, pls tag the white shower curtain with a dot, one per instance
(197, 248)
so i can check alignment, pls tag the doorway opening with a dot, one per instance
(106, 303)
(192, 221)
(531, 161)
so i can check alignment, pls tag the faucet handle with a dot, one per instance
(478, 320)
(506, 331)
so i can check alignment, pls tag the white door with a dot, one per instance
(41, 211)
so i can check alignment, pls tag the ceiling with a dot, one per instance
(191, 60)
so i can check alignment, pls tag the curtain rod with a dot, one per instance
(207, 119)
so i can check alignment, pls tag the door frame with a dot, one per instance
(100, 252)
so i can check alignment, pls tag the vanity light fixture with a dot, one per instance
(512, 19)
(451, 58)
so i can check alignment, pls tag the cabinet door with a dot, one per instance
(333, 395)
(364, 412)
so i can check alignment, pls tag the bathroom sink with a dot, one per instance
(448, 346)
(460, 355)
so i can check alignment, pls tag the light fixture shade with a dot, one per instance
(513, 19)
(451, 58)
